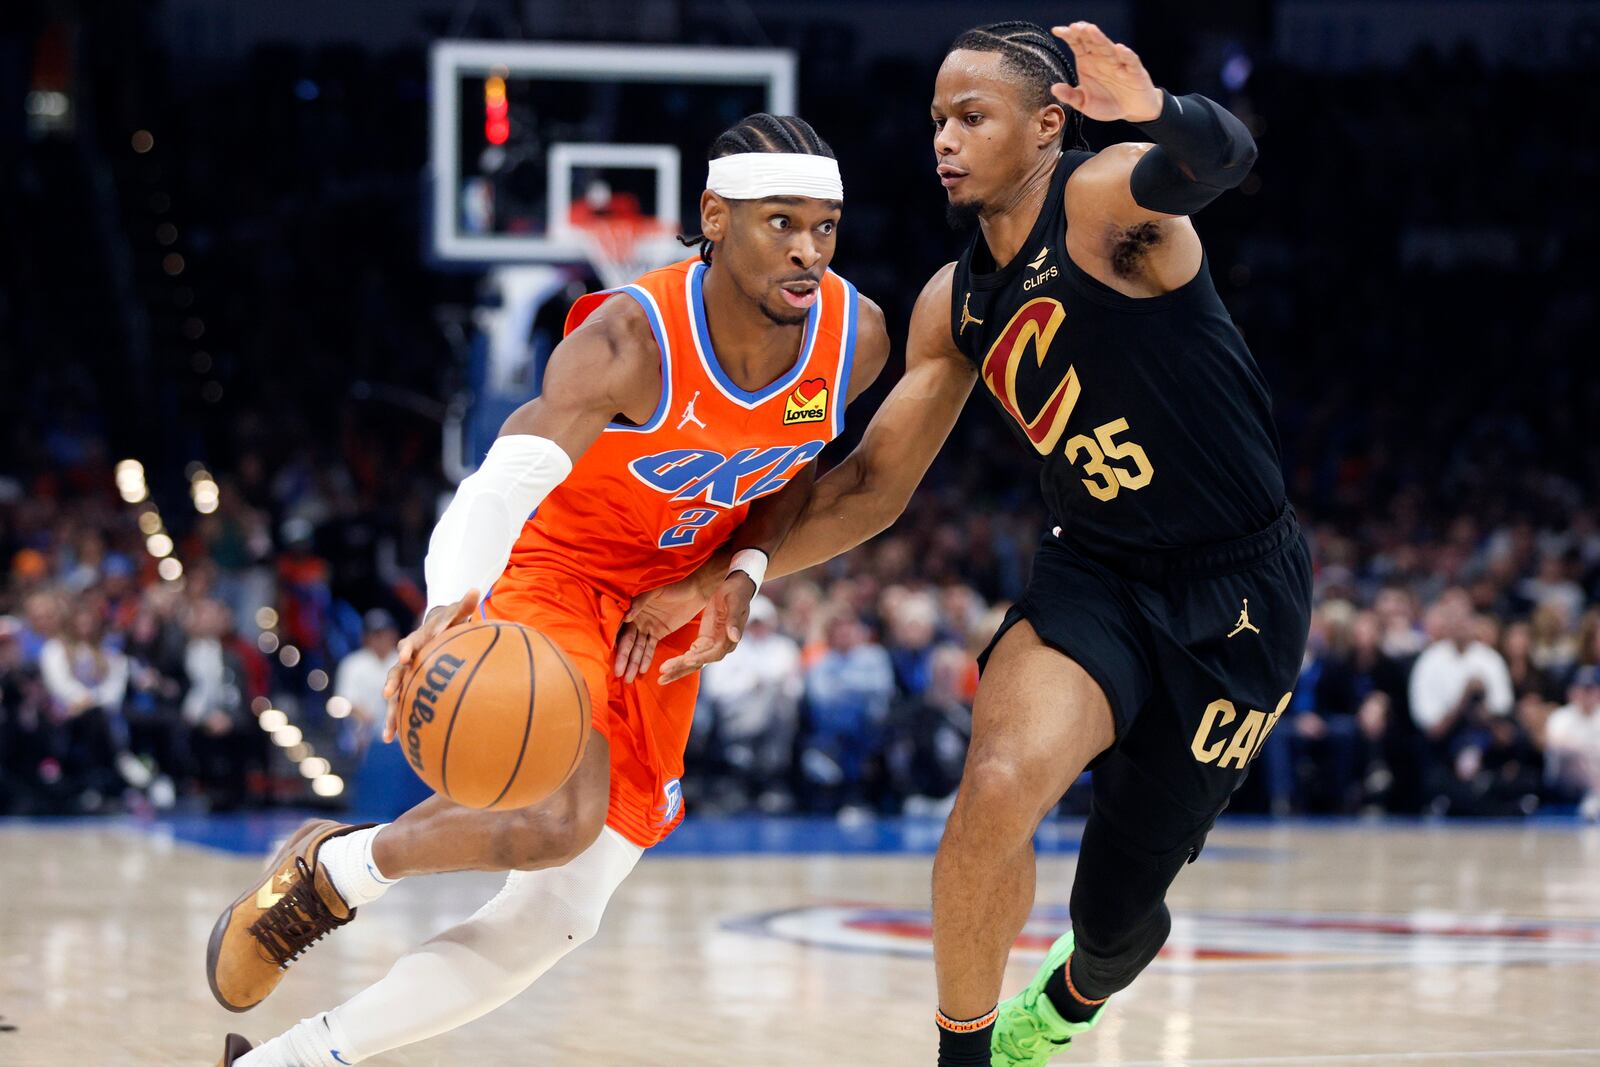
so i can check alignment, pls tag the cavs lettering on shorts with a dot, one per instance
(808, 402)
(1230, 740)
(433, 686)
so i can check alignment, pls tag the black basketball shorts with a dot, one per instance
(1197, 652)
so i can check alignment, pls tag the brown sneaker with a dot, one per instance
(235, 1047)
(259, 935)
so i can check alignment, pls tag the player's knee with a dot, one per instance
(1003, 794)
(580, 829)
(549, 835)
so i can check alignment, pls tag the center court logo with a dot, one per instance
(1227, 941)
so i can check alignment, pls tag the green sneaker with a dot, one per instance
(1028, 1030)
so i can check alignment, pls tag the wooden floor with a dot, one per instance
(1296, 944)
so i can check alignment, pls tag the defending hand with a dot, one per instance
(721, 627)
(1112, 81)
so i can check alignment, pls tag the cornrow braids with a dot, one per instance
(1037, 59)
(760, 132)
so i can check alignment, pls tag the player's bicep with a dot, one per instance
(607, 367)
(911, 426)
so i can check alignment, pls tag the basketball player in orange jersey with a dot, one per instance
(678, 423)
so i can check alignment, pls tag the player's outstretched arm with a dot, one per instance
(1198, 148)
(606, 367)
(864, 494)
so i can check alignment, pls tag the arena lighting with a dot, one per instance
(170, 569)
(204, 492)
(46, 104)
(317, 680)
(285, 736)
(149, 523)
(272, 719)
(172, 263)
(299, 752)
(329, 785)
(338, 708)
(266, 618)
(314, 766)
(159, 545)
(267, 642)
(260, 705)
(130, 481)
(143, 141)
(496, 111)
(289, 656)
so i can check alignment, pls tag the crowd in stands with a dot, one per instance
(1414, 297)
(1452, 676)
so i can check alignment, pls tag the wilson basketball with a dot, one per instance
(494, 716)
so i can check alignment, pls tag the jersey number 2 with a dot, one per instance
(689, 525)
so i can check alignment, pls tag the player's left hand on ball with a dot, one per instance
(721, 627)
(1112, 81)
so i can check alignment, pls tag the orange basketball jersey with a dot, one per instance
(646, 505)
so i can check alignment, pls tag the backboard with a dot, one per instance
(533, 143)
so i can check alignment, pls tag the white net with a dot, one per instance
(621, 249)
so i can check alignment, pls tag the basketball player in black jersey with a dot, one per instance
(1164, 623)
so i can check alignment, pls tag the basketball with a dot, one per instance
(494, 716)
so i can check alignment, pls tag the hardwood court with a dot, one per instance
(1310, 946)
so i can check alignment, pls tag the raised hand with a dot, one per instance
(435, 623)
(1112, 81)
(720, 628)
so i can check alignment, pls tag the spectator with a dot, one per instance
(751, 701)
(1572, 742)
(157, 684)
(361, 676)
(848, 691)
(28, 770)
(928, 734)
(224, 740)
(1458, 680)
(913, 622)
(86, 676)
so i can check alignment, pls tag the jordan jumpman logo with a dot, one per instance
(1244, 620)
(689, 415)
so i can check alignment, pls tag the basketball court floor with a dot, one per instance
(782, 944)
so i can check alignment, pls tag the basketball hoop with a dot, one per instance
(622, 247)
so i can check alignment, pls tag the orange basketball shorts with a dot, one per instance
(646, 723)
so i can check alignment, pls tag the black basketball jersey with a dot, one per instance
(1150, 416)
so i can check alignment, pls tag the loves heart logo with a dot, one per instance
(808, 403)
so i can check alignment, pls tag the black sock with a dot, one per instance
(1068, 1006)
(965, 1043)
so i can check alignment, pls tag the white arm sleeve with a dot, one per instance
(473, 538)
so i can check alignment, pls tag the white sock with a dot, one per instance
(313, 1042)
(350, 866)
(474, 967)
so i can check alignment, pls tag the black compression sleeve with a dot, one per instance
(1201, 150)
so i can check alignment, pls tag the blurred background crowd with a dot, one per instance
(212, 268)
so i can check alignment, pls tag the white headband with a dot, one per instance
(753, 175)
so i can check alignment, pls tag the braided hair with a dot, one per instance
(1036, 59)
(760, 132)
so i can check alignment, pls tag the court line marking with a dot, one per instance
(1362, 1057)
